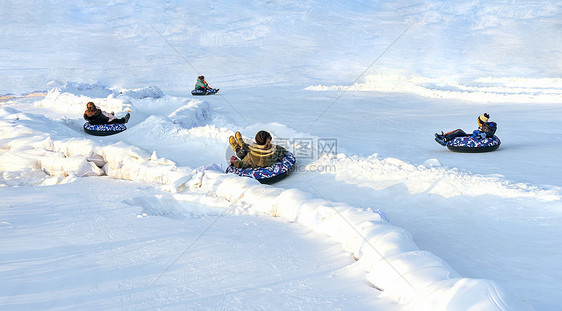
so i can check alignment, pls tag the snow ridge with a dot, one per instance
(430, 178)
(492, 90)
(394, 264)
(30, 156)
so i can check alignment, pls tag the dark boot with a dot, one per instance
(440, 141)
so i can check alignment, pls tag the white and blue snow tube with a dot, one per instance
(472, 144)
(270, 174)
(204, 92)
(103, 129)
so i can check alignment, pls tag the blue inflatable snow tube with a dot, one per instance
(204, 92)
(103, 129)
(270, 174)
(472, 144)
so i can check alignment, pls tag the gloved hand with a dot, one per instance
(232, 159)
(478, 134)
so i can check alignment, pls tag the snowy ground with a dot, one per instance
(165, 230)
(112, 254)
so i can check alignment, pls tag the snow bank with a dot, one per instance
(378, 173)
(147, 92)
(129, 162)
(194, 113)
(190, 116)
(100, 91)
(497, 90)
(412, 277)
(73, 96)
(29, 156)
(37, 162)
(84, 89)
(61, 101)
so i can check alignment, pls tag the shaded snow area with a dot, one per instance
(376, 214)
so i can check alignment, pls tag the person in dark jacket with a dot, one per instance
(201, 84)
(96, 116)
(485, 130)
(261, 154)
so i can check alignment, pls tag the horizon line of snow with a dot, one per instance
(494, 90)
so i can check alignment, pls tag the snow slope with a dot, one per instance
(377, 78)
(395, 265)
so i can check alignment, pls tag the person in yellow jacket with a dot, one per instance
(261, 154)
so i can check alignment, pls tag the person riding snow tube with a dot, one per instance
(270, 174)
(204, 92)
(481, 140)
(203, 88)
(101, 123)
(266, 162)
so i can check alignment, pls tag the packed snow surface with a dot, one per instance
(376, 216)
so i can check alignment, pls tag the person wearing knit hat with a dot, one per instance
(485, 130)
(483, 119)
(261, 154)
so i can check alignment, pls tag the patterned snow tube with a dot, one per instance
(203, 92)
(270, 174)
(103, 129)
(471, 144)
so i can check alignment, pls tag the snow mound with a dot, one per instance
(31, 157)
(69, 102)
(84, 89)
(194, 113)
(430, 178)
(148, 92)
(124, 161)
(73, 96)
(97, 90)
(35, 158)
